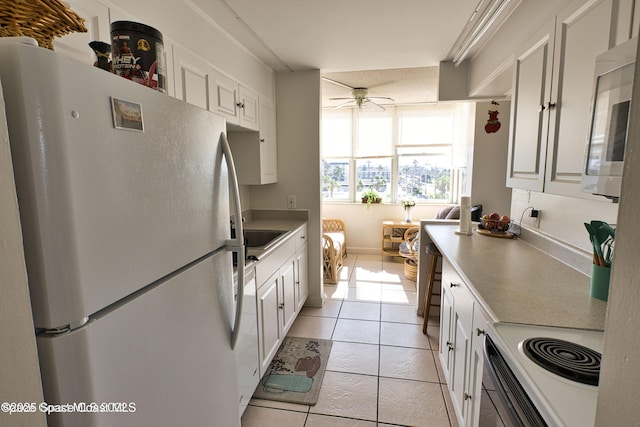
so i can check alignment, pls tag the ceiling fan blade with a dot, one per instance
(373, 104)
(381, 97)
(338, 99)
(344, 104)
(326, 79)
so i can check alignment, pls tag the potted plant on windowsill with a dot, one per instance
(371, 196)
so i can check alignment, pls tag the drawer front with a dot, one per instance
(300, 237)
(460, 292)
(274, 260)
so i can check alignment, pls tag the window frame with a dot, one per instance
(396, 146)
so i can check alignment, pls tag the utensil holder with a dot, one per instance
(600, 282)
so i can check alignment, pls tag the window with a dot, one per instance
(402, 153)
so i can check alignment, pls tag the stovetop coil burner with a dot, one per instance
(569, 360)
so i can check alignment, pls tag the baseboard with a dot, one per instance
(363, 251)
(315, 302)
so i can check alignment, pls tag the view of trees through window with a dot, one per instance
(400, 154)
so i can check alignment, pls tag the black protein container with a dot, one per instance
(138, 54)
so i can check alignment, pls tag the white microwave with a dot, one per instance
(609, 120)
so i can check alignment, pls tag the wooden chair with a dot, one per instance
(434, 275)
(334, 248)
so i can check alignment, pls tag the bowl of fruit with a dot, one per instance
(495, 222)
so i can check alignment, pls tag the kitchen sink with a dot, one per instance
(262, 238)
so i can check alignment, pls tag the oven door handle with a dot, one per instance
(521, 410)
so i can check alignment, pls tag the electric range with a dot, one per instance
(557, 396)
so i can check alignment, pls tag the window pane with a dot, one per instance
(335, 179)
(336, 133)
(424, 177)
(373, 174)
(375, 134)
(430, 125)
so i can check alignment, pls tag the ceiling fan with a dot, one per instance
(359, 97)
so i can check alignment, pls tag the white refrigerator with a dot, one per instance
(124, 197)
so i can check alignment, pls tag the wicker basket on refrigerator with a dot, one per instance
(40, 19)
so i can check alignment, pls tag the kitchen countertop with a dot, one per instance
(517, 283)
(271, 220)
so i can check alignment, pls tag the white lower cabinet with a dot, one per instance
(301, 274)
(280, 296)
(268, 325)
(287, 304)
(462, 325)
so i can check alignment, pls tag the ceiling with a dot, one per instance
(391, 48)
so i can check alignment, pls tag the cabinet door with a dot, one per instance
(446, 333)
(224, 97)
(192, 76)
(248, 108)
(302, 284)
(269, 325)
(268, 143)
(473, 395)
(529, 117)
(287, 303)
(582, 33)
(256, 153)
(460, 363)
(96, 19)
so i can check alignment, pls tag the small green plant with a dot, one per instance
(371, 196)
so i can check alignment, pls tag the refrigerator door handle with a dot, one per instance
(237, 244)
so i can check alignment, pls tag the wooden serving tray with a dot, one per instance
(505, 235)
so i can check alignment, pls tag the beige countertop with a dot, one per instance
(291, 226)
(518, 283)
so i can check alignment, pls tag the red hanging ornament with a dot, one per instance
(493, 124)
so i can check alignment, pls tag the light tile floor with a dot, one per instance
(382, 371)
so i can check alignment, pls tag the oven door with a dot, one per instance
(513, 399)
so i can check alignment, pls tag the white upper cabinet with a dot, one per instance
(225, 97)
(553, 83)
(192, 76)
(236, 103)
(76, 45)
(529, 121)
(256, 153)
(249, 110)
(581, 35)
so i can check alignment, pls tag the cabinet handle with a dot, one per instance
(281, 306)
(551, 105)
(449, 345)
(542, 108)
(481, 331)
(240, 105)
(262, 140)
(466, 396)
(453, 285)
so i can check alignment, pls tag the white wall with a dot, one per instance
(364, 225)
(489, 154)
(19, 371)
(298, 127)
(563, 217)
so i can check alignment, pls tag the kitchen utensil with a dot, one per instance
(598, 259)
